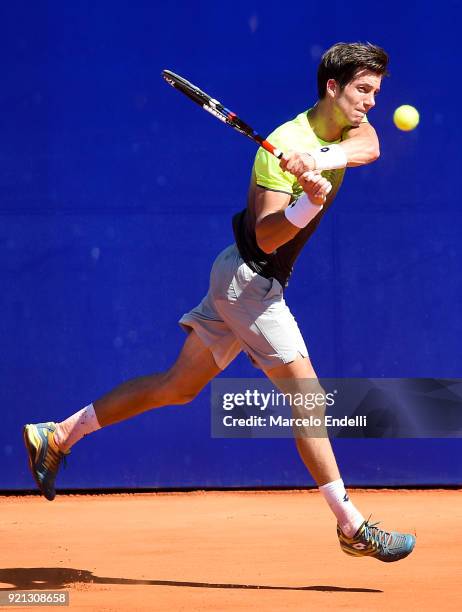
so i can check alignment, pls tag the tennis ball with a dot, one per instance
(406, 117)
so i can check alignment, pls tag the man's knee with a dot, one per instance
(184, 396)
(178, 389)
(305, 394)
(309, 408)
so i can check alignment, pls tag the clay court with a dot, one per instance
(229, 551)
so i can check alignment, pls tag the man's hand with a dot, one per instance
(297, 163)
(315, 186)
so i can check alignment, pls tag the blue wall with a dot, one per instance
(117, 193)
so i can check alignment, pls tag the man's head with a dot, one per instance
(350, 75)
(344, 60)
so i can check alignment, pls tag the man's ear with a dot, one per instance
(332, 88)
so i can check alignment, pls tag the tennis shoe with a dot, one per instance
(44, 456)
(370, 541)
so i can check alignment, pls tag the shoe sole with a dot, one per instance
(372, 556)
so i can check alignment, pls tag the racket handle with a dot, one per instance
(269, 147)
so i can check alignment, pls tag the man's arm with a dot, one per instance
(360, 145)
(272, 228)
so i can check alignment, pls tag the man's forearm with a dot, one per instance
(273, 231)
(359, 146)
(354, 151)
(278, 220)
(360, 150)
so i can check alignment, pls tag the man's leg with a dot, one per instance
(357, 537)
(193, 369)
(315, 452)
(47, 443)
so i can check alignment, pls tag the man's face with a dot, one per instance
(357, 97)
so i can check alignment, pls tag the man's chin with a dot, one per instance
(356, 121)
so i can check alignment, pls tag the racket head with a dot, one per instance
(215, 108)
(187, 88)
(208, 103)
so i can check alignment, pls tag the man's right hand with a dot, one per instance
(315, 186)
(297, 163)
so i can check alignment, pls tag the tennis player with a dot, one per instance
(244, 308)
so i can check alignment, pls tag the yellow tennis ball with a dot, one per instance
(406, 117)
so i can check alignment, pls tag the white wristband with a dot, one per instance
(329, 157)
(302, 211)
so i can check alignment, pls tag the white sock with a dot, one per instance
(74, 428)
(348, 517)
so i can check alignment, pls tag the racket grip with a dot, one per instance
(269, 147)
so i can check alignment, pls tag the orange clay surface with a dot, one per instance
(229, 551)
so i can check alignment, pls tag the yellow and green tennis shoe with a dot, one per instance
(44, 456)
(370, 541)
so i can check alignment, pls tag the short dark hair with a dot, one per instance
(342, 61)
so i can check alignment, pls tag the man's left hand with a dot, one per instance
(297, 163)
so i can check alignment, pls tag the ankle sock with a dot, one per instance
(348, 517)
(74, 428)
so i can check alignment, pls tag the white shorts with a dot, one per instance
(245, 311)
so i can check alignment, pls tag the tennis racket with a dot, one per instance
(217, 109)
